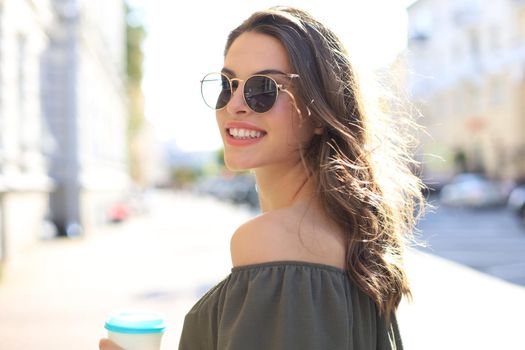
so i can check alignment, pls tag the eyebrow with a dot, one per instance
(264, 71)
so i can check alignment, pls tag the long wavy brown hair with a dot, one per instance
(361, 163)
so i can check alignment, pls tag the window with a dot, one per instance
(495, 37)
(496, 92)
(421, 27)
(22, 120)
(474, 44)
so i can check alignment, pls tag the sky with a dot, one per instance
(185, 40)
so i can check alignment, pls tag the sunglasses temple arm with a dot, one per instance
(295, 104)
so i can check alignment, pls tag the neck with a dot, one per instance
(281, 187)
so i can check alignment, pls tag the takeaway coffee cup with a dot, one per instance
(136, 330)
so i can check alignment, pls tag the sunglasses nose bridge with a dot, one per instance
(235, 84)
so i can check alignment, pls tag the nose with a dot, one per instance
(237, 105)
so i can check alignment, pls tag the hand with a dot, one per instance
(106, 344)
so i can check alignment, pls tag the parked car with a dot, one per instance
(118, 212)
(474, 191)
(516, 201)
(237, 189)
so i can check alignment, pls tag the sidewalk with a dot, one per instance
(57, 295)
(455, 307)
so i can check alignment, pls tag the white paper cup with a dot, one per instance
(136, 330)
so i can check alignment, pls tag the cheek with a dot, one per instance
(301, 130)
(220, 120)
(292, 128)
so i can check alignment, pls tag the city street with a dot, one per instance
(94, 107)
(57, 294)
(491, 240)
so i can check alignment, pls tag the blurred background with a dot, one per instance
(114, 194)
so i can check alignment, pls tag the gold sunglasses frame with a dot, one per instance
(280, 87)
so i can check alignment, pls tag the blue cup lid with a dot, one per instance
(135, 322)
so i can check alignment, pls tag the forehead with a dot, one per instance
(253, 52)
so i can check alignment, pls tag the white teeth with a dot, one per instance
(244, 133)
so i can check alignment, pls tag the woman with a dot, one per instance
(321, 267)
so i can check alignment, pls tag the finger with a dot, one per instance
(106, 344)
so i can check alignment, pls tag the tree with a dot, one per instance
(135, 35)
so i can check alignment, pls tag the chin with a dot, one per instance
(238, 165)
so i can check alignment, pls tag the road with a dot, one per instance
(491, 241)
(57, 294)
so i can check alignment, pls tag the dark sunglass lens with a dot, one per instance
(260, 93)
(225, 94)
(215, 89)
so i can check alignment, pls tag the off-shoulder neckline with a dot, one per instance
(296, 263)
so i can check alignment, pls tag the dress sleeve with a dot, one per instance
(286, 308)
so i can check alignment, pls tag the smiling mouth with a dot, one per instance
(245, 134)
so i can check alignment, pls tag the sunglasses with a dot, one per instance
(259, 91)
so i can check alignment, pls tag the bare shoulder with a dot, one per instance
(258, 240)
(283, 235)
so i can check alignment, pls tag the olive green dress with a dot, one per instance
(284, 305)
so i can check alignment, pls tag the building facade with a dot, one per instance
(24, 183)
(467, 76)
(63, 117)
(85, 107)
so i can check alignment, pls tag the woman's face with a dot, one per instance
(279, 132)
